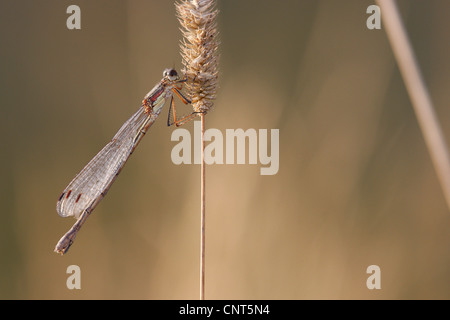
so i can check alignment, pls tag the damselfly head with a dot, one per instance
(170, 74)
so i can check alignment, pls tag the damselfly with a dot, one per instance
(86, 190)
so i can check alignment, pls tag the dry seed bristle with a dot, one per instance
(199, 50)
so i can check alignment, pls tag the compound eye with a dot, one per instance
(173, 73)
(170, 74)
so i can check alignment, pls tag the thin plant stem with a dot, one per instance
(418, 93)
(203, 207)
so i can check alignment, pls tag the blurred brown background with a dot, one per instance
(355, 187)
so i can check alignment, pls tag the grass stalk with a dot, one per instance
(203, 213)
(200, 59)
(418, 93)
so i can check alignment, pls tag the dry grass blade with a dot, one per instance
(418, 93)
